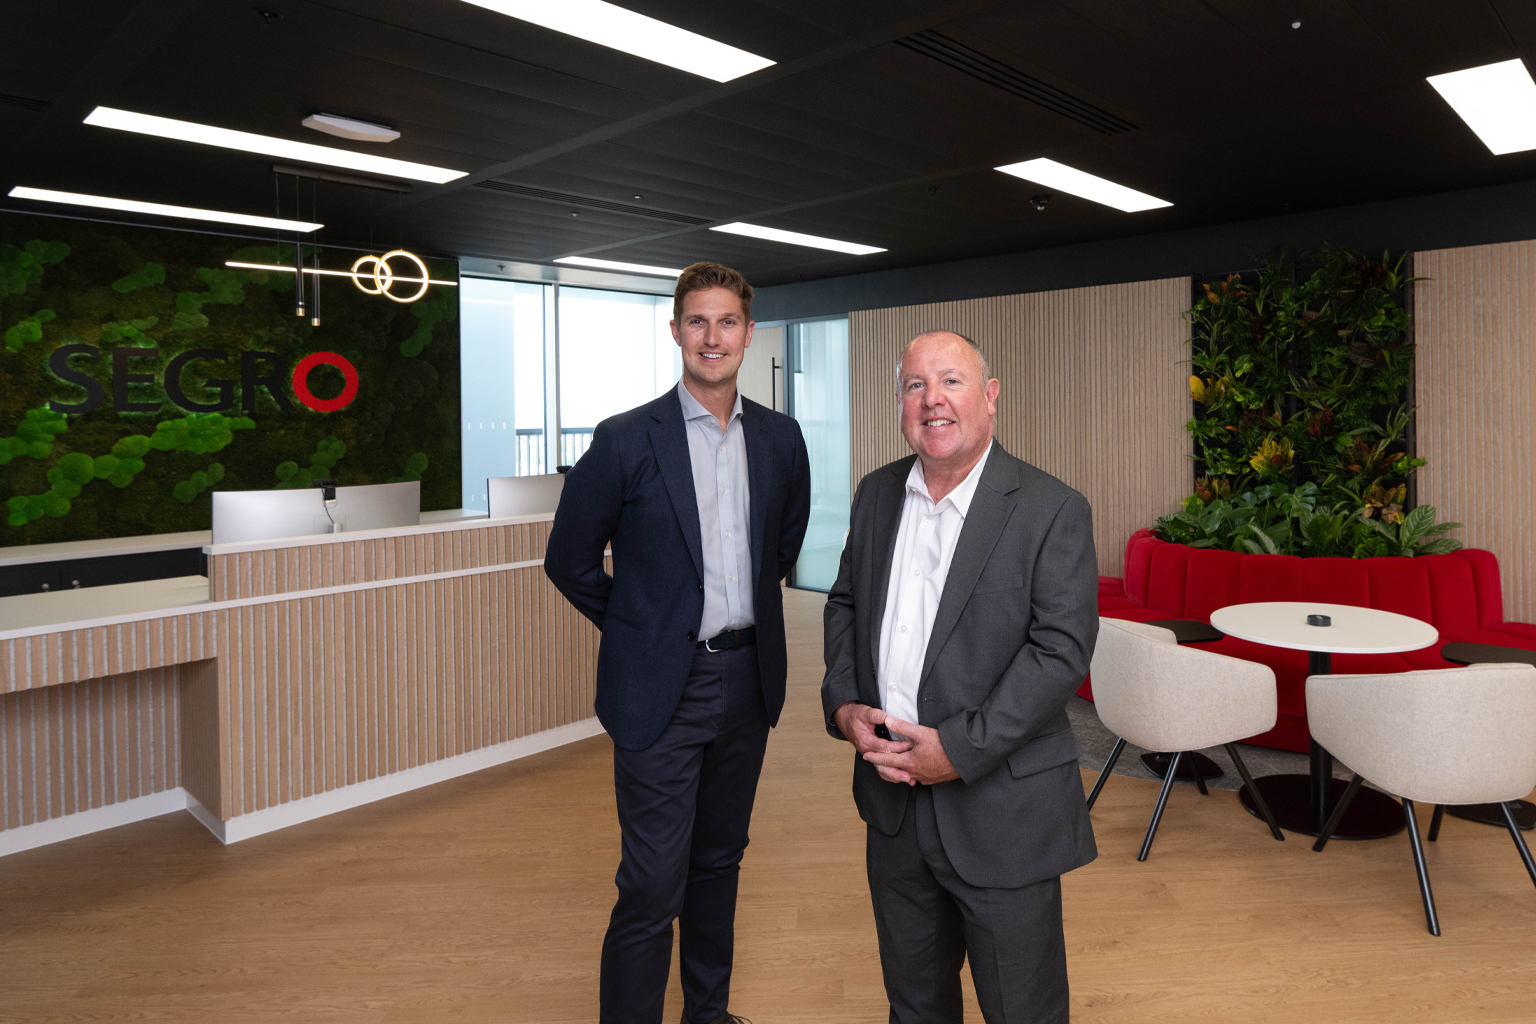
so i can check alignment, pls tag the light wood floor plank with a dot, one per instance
(484, 899)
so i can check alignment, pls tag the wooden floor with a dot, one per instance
(484, 900)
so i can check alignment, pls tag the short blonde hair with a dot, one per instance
(702, 276)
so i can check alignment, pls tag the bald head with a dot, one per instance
(948, 399)
(928, 338)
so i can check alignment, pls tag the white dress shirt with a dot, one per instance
(925, 544)
(719, 461)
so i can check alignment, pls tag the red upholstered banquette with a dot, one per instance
(1459, 594)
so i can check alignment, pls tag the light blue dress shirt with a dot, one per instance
(720, 485)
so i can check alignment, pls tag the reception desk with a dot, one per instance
(301, 677)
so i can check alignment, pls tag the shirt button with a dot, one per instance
(903, 629)
(731, 578)
(917, 572)
(727, 533)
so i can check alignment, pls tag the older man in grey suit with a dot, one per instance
(963, 618)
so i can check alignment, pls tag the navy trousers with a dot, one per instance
(684, 806)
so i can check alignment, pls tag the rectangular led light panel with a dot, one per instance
(621, 29)
(1047, 172)
(48, 195)
(266, 145)
(1498, 102)
(796, 238)
(638, 268)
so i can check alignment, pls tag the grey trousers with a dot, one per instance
(930, 920)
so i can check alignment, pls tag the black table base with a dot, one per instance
(1489, 814)
(1372, 815)
(1157, 764)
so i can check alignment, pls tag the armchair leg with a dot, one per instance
(1514, 830)
(1338, 813)
(1418, 862)
(1194, 766)
(1162, 801)
(1434, 823)
(1114, 755)
(1258, 798)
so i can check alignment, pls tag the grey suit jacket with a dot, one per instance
(1011, 641)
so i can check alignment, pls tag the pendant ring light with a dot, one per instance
(384, 277)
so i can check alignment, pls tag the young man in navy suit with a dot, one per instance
(703, 497)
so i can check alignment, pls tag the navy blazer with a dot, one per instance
(633, 491)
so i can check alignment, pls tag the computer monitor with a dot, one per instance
(240, 516)
(523, 495)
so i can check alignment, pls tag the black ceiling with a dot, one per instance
(880, 123)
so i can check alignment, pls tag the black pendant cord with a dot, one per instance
(298, 252)
(314, 298)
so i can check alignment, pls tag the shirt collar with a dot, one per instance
(693, 409)
(961, 496)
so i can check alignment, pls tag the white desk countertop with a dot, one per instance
(1355, 630)
(62, 606)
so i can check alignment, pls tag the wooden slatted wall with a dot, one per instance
(1475, 324)
(83, 745)
(1094, 392)
(312, 566)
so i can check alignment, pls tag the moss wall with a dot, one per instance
(113, 471)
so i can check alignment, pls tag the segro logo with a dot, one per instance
(257, 370)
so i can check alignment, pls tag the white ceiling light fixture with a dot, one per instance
(796, 238)
(637, 268)
(266, 145)
(48, 195)
(350, 128)
(1047, 172)
(621, 29)
(1497, 101)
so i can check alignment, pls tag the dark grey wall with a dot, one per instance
(1500, 213)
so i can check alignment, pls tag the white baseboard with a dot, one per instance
(97, 819)
(308, 808)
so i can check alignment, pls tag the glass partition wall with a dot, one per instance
(544, 361)
(816, 364)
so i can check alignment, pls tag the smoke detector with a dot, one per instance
(349, 128)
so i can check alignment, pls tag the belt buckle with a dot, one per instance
(712, 639)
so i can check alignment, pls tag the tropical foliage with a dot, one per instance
(1301, 416)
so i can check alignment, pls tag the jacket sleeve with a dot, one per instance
(1053, 661)
(585, 522)
(797, 507)
(840, 685)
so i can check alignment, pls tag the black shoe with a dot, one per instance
(729, 1018)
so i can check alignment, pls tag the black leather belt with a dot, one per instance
(730, 640)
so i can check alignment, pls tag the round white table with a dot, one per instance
(1302, 803)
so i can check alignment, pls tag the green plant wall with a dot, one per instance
(97, 440)
(1301, 417)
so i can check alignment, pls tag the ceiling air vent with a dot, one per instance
(566, 199)
(961, 58)
(25, 103)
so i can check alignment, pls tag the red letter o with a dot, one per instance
(301, 381)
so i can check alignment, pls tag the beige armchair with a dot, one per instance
(1442, 736)
(1162, 697)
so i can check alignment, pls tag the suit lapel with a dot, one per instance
(887, 523)
(991, 507)
(759, 480)
(669, 442)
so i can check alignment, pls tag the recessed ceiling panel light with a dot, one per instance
(249, 142)
(48, 195)
(350, 128)
(796, 238)
(1062, 178)
(638, 268)
(620, 29)
(1498, 102)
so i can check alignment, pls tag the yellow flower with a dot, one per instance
(1273, 457)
